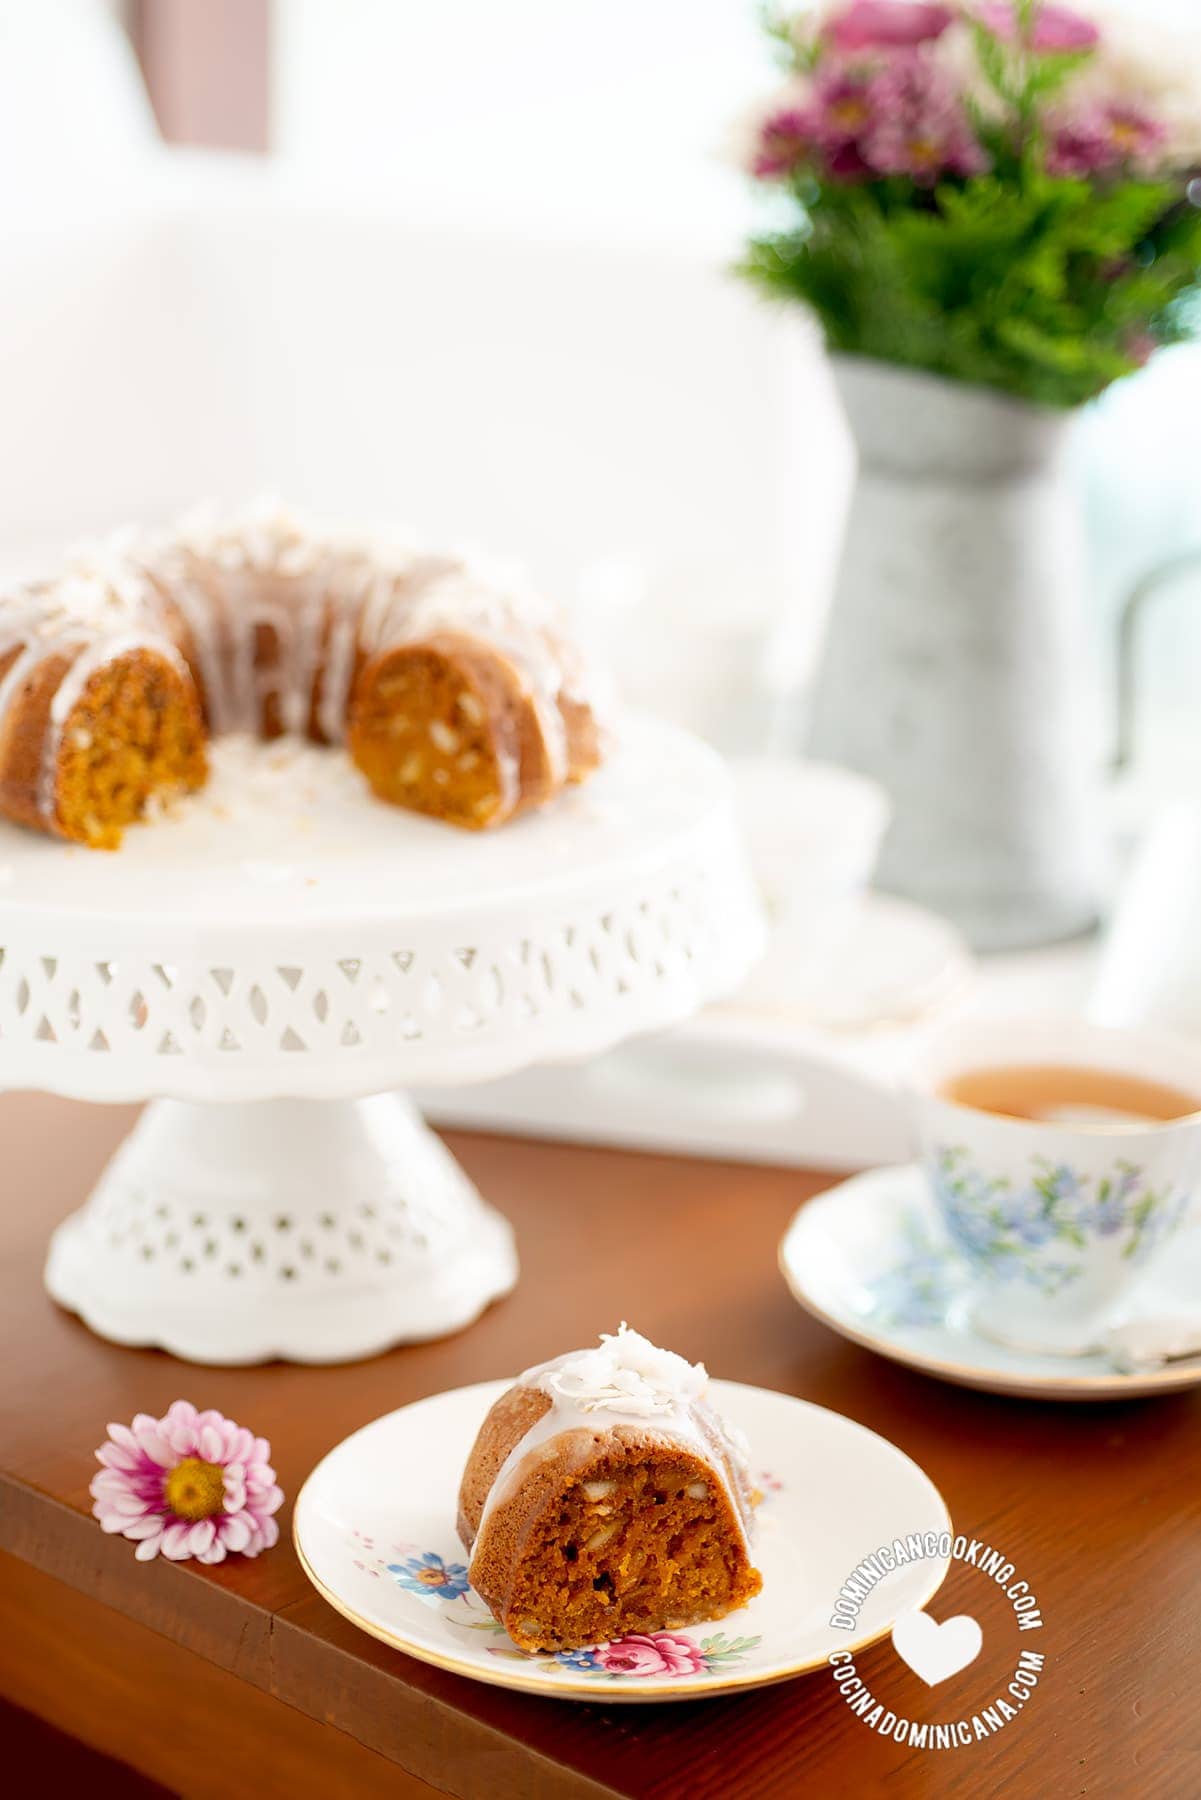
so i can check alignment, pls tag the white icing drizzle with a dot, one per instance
(336, 678)
(626, 1380)
(197, 613)
(23, 666)
(326, 597)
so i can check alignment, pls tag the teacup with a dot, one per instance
(1060, 1222)
(813, 832)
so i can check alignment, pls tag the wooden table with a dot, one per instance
(239, 1681)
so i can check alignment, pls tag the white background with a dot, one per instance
(540, 345)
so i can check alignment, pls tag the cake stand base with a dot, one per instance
(280, 945)
(319, 1231)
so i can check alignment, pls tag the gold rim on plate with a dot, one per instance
(509, 1677)
(583, 1690)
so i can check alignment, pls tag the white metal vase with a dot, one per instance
(954, 669)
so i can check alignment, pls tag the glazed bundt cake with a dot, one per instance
(452, 686)
(605, 1496)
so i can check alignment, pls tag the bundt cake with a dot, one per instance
(604, 1496)
(452, 686)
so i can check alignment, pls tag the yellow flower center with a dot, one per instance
(432, 1577)
(195, 1489)
(922, 150)
(849, 113)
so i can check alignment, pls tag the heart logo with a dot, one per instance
(936, 1652)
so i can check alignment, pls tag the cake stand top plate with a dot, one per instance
(284, 934)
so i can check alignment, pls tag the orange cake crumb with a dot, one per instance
(134, 733)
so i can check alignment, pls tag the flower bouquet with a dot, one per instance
(1005, 193)
(994, 209)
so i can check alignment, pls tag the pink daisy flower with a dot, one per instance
(189, 1484)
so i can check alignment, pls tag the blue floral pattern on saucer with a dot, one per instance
(917, 1290)
(874, 1260)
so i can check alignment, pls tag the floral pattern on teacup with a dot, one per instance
(1028, 1232)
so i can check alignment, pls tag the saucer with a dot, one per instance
(895, 966)
(375, 1532)
(872, 1260)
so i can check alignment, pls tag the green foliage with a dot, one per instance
(793, 47)
(1046, 287)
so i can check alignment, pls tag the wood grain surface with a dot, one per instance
(1097, 1507)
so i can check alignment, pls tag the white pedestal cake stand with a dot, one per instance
(267, 963)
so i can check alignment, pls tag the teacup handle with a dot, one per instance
(1129, 622)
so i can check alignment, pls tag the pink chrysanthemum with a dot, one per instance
(783, 144)
(1054, 29)
(874, 24)
(1101, 138)
(842, 105)
(190, 1484)
(919, 126)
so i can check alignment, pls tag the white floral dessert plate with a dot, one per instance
(872, 1260)
(375, 1531)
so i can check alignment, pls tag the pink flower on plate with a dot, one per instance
(651, 1653)
(1056, 28)
(189, 1484)
(886, 24)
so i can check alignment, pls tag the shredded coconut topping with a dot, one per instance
(625, 1374)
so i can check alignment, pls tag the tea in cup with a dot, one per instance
(1065, 1159)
